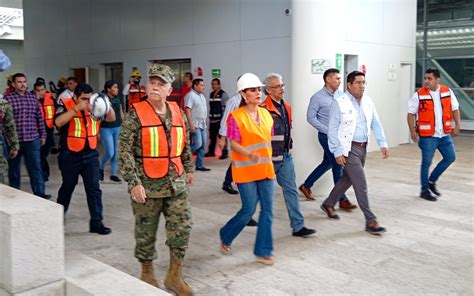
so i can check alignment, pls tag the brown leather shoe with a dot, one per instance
(306, 192)
(346, 205)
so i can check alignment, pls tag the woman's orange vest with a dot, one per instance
(81, 128)
(426, 112)
(157, 152)
(135, 94)
(257, 139)
(48, 110)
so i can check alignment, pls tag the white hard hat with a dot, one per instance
(100, 106)
(248, 80)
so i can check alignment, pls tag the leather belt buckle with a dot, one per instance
(361, 144)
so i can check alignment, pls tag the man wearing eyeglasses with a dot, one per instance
(281, 156)
(351, 118)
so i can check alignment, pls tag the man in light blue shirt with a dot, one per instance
(318, 117)
(196, 112)
(351, 118)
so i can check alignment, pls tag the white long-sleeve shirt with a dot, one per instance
(232, 104)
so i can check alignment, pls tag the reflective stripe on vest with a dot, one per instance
(256, 139)
(49, 110)
(157, 153)
(78, 131)
(426, 121)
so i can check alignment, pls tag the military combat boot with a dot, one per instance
(174, 279)
(148, 275)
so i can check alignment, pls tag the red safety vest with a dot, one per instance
(156, 151)
(48, 110)
(135, 94)
(79, 130)
(426, 112)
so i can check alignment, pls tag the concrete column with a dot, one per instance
(317, 33)
(31, 244)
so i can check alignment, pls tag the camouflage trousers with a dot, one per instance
(3, 165)
(177, 213)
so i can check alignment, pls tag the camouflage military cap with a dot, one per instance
(162, 71)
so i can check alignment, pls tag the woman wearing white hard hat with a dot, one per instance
(249, 130)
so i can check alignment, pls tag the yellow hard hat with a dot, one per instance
(135, 73)
(63, 79)
(10, 77)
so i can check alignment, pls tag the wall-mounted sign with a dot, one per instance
(216, 73)
(318, 66)
(339, 61)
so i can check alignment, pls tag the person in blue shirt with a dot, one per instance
(351, 118)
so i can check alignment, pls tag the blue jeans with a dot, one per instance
(285, 173)
(199, 145)
(250, 194)
(31, 151)
(428, 146)
(329, 162)
(109, 138)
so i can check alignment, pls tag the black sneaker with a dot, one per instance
(46, 196)
(100, 229)
(229, 189)
(433, 189)
(101, 175)
(115, 179)
(54, 150)
(209, 154)
(203, 169)
(427, 195)
(252, 222)
(304, 232)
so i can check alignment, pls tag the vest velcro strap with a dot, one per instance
(278, 138)
(259, 146)
(239, 164)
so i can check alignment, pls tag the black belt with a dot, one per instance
(361, 144)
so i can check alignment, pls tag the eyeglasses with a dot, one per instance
(253, 89)
(278, 86)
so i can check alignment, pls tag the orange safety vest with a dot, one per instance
(156, 151)
(135, 94)
(48, 110)
(79, 130)
(426, 112)
(257, 139)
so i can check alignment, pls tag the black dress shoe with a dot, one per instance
(326, 210)
(100, 229)
(115, 179)
(54, 150)
(223, 156)
(427, 195)
(433, 189)
(46, 196)
(304, 232)
(229, 189)
(209, 154)
(203, 169)
(252, 222)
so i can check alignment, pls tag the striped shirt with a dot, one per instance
(27, 116)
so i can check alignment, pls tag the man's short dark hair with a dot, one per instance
(197, 81)
(352, 76)
(40, 79)
(72, 78)
(83, 89)
(329, 72)
(108, 84)
(216, 79)
(189, 74)
(38, 84)
(433, 71)
(16, 75)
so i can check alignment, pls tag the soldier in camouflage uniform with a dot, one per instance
(7, 124)
(168, 193)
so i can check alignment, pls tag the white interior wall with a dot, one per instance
(233, 35)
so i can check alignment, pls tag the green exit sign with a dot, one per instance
(216, 73)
